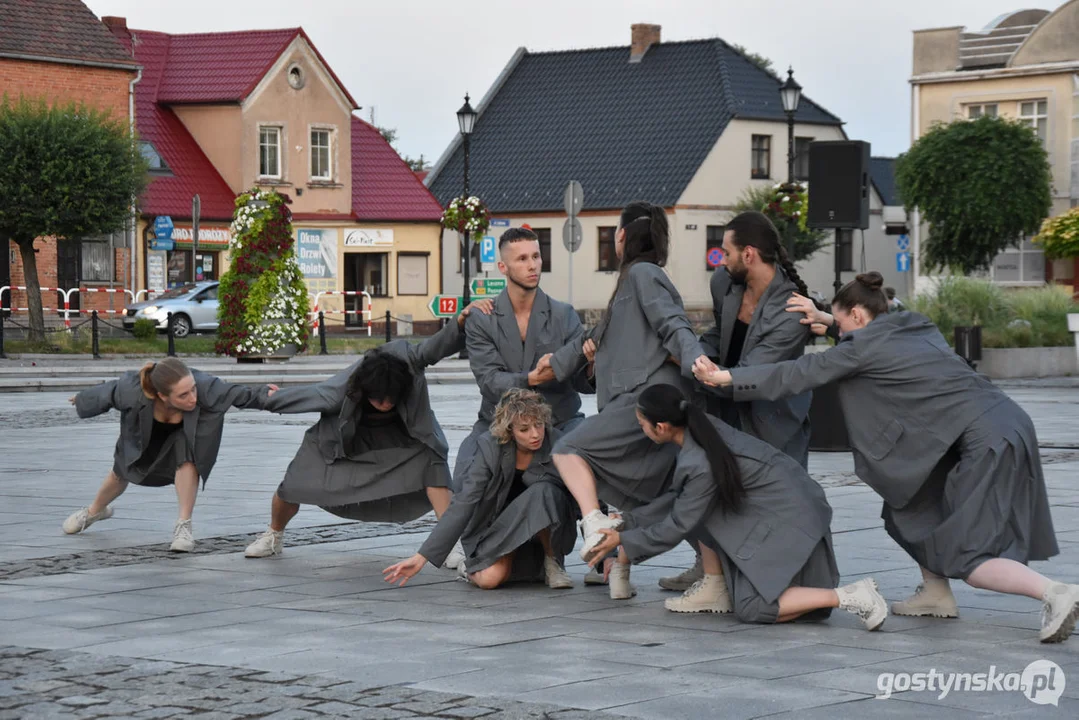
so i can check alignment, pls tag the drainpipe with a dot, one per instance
(134, 212)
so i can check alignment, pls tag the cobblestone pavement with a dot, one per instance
(107, 623)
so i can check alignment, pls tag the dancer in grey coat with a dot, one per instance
(377, 452)
(504, 348)
(171, 422)
(643, 339)
(955, 459)
(763, 518)
(752, 327)
(514, 516)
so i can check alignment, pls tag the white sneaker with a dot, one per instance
(82, 519)
(590, 526)
(456, 558)
(864, 600)
(182, 539)
(268, 543)
(594, 577)
(1060, 612)
(684, 580)
(619, 584)
(556, 576)
(933, 598)
(709, 594)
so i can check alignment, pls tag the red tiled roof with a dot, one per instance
(64, 29)
(383, 186)
(192, 171)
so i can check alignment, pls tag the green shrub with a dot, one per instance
(144, 329)
(1024, 317)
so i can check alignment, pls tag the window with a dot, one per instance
(97, 260)
(1023, 265)
(713, 238)
(544, 235)
(367, 271)
(270, 152)
(1035, 113)
(153, 158)
(208, 294)
(320, 155)
(411, 274)
(608, 259)
(761, 157)
(976, 111)
(801, 158)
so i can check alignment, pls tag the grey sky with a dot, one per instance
(413, 60)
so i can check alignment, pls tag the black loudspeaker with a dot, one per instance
(839, 184)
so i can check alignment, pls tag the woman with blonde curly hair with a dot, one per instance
(513, 515)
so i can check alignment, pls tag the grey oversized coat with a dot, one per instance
(784, 517)
(773, 335)
(647, 324)
(202, 427)
(906, 396)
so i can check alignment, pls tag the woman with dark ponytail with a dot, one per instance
(763, 523)
(752, 327)
(954, 458)
(644, 338)
(171, 422)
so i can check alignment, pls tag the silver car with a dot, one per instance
(193, 307)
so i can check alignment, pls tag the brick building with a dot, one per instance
(59, 50)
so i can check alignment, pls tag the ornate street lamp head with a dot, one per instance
(466, 117)
(790, 93)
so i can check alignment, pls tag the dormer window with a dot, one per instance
(295, 76)
(153, 159)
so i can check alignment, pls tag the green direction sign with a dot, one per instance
(487, 287)
(445, 305)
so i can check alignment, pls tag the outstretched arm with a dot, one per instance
(771, 382)
(218, 395)
(99, 399)
(667, 317)
(324, 397)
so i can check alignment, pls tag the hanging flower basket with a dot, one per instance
(468, 216)
(789, 203)
(1059, 235)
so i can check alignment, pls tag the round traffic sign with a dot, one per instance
(572, 235)
(573, 198)
(715, 257)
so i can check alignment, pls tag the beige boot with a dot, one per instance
(709, 594)
(933, 597)
(685, 579)
(1060, 612)
(618, 582)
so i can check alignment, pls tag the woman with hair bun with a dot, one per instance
(954, 458)
(171, 421)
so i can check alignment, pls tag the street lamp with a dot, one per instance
(790, 93)
(466, 121)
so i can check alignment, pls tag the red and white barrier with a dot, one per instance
(354, 293)
(67, 301)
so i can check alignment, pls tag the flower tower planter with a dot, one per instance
(263, 300)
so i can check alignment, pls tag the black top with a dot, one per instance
(517, 487)
(158, 435)
(738, 340)
(376, 430)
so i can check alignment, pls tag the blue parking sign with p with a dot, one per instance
(487, 249)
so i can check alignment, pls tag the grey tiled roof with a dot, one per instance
(882, 173)
(58, 29)
(625, 130)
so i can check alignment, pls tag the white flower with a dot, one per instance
(786, 198)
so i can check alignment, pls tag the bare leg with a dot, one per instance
(112, 488)
(281, 512)
(710, 561)
(439, 498)
(544, 536)
(1009, 576)
(187, 487)
(491, 577)
(797, 601)
(578, 478)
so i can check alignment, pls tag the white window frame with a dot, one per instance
(1032, 120)
(1023, 253)
(280, 132)
(981, 109)
(330, 137)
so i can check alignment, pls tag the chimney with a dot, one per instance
(115, 23)
(642, 37)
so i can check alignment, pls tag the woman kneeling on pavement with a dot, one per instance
(762, 522)
(514, 517)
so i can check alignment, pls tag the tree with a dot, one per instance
(760, 61)
(980, 184)
(263, 299)
(65, 172)
(390, 136)
(762, 198)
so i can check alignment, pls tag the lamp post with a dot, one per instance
(790, 93)
(466, 120)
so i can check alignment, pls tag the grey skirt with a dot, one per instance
(986, 500)
(542, 505)
(158, 471)
(630, 469)
(385, 485)
(819, 571)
